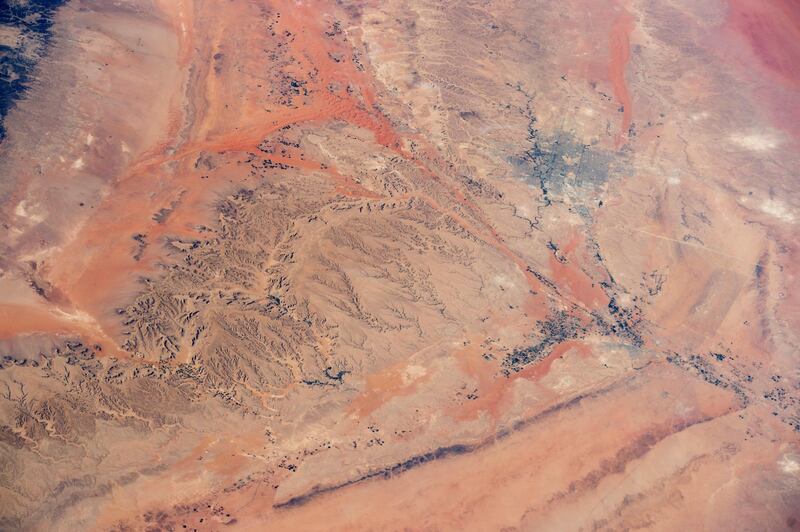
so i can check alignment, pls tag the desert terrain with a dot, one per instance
(380, 265)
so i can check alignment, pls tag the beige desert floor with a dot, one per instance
(312, 265)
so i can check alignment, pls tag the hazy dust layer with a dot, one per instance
(391, 265)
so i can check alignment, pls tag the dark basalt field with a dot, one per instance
(24, 40)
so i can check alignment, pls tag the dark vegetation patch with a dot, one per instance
(624, 323)
(704, 367)
(556, 329)
(726, 371)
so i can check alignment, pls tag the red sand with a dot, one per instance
(619, 44)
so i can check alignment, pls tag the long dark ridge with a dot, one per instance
(455, 449)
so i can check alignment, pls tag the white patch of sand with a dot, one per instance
(33, 213)
(789, 464)
(757, 142)
(777, 209)
(413, 373)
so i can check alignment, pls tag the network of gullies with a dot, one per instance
(384, 265)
